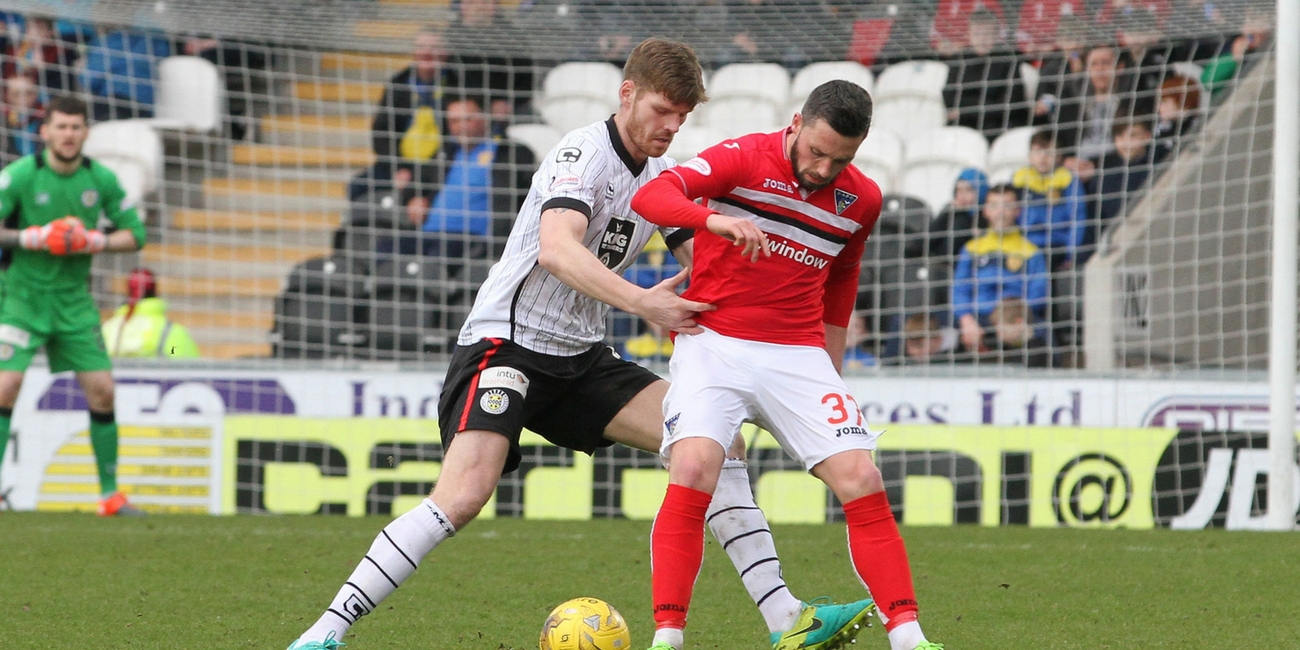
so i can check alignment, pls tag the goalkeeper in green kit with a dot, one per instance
(50, 205)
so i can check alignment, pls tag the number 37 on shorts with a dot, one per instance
(842, 408)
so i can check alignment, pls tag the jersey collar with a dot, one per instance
(621, 149)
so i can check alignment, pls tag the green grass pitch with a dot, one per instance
(76, 581)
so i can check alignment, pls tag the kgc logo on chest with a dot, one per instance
(615, 242)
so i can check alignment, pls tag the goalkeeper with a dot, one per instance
(50, 204)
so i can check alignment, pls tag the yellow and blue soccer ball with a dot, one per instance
(585, 624)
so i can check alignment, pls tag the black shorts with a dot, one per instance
(496, 385)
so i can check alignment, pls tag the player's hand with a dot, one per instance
(33, 238)
(68, 236)
(661, 306)
(753, 242)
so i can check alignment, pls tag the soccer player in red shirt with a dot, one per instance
(777, 247)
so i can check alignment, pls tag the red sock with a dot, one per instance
(880, 557)
(676, 552)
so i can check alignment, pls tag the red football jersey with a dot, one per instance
(816, 241)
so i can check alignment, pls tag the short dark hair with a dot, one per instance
(68, 105)
(454, 96)
(844, 105)
(1123, 123)
(1005, 188)
(1044, 138)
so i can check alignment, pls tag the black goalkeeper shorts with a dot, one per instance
(497, 385)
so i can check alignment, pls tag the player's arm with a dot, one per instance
(563, 255)
(669, 199)
(841, 292)
(31, 238)
(681, 243)
(130, 234)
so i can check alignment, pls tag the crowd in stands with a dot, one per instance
(1113, 102)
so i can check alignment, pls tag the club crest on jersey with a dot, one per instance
(843, 200)
(89, 198)
(494, 402)
(615, 241)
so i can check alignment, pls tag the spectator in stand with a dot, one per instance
(960, 220)
(1256, 33)
(1146, 58)
(1053, 217)
(1039, 21)
(1206, 22)
(486, 51)
(950, 31)
(121, 66)
(1179, 115)
(486, 180)
(611, 29)
(984, 89)
(141, 329)
(1120, 175)
(1063, 67)
(23, 115)
(765, 31)
(41, 54)
(857, 344)
(1001, 263)
(1087, 110)
(1015, 339)
(407, 129)
(926, 341)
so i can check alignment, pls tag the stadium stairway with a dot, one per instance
(278, 202)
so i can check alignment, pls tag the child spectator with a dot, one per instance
(43, 56)
(1013, 340)
(1179, 115)
(925, 341)
(1120, 174)
(1053, 216)
(998, 264)
(957, 223)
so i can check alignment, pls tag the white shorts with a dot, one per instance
(793, 391)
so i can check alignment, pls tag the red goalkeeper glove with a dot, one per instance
(33, 238)
(68, 236)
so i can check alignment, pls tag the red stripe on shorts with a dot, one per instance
(473, 384)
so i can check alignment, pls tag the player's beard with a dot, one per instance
(645, 140)
(54, 151)
(804, 184)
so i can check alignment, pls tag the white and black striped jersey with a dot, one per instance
(590, 171)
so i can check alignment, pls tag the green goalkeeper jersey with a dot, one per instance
(33, 194)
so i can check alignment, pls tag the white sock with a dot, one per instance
(741, 528)
(392, 558)
(906, 636)
(670, 635)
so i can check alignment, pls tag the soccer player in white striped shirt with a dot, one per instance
(530, 353)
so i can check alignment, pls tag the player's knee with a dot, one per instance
(696, 464)
(100, 396)
(851, 475)
(10, 384)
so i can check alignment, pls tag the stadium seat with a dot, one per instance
(407, 308)
(191, 95)
(906, 116)
(576, 94)
(880, 157)
(1009, 153)
(314, 315)
(132, 150)
(924, 79)
(539, 138)
(1029, 76)
(816, 74)
(935, 158)
(692, 139)
(747, 97)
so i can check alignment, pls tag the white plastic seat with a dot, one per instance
(816, 74)
(1009, 153)
(691, 140)
(133, 150)
(747, 97)
(576, 94)
(924, 79)
(906, 116)
(934, 159)
(191, 96)
(539, 138)
(881, 157)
